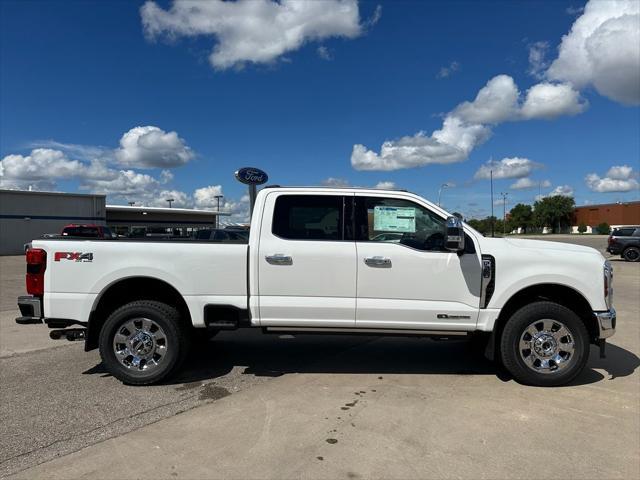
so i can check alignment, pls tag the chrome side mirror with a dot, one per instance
(454, 239)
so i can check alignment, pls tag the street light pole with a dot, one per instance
(218, 197)
(504, 212)
(492, 217)
(170, 200)
(444, 185)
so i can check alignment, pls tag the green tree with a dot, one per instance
(603, 228)
(582, 227)
(555, 212)
(520, 216)
(483, 225)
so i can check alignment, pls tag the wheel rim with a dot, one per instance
(140, 344)
(546, 346)
(632, 254)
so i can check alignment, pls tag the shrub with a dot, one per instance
(603, 228)
(582, 228)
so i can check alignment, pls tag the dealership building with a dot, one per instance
(26, 215)
(614, 214)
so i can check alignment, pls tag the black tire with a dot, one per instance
(176, 341)
(631, 254)
(517, 325)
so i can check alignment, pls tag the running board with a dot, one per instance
(374, 331)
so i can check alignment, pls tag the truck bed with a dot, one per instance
(78, 270)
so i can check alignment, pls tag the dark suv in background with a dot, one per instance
(625, 241)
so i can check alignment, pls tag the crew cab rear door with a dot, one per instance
(406, 279)
(306, 268)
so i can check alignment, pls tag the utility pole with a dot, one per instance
(492, 217)
(504, 212)
(170, 200)
(218, 197)
(444, 185)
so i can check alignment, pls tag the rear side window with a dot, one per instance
(81, 232)
(623, 232)
(308, 217)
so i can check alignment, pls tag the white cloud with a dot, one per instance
(324, 53)
(448, 70)
(122, 183)
(179, 199)
(563, 190)
(258, 31)
(514, 167)
(335, 182)
(538, 59)
(527, 183)
(205, 197)
(469, 125)
(620, 178)
(620, 172)
(152, 147)
(40, 164)
(548, 101)
(386, 185)
(603, 49)
(496, 102)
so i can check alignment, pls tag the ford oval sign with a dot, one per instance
(251, 176)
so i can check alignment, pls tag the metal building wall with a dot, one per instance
(28, 215)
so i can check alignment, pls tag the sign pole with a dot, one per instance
(253, 191)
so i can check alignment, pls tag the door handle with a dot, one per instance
(279, 259)
(378, 262)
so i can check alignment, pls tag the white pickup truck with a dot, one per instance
(334, 260)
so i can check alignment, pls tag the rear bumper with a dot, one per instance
(30, 310)
(606, 323)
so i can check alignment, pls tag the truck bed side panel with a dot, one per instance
(201, 272)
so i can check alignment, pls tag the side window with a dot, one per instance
(623, 232)
(308, 217)
(392, 220)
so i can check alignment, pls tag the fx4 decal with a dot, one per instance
(73, 256)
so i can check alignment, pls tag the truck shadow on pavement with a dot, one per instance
(275, 355)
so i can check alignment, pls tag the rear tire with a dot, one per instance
(631, 254)
(544, 344)
(143, 342)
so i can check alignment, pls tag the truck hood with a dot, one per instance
(492, 244)
(543, 244)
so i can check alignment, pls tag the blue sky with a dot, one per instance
(75, 77)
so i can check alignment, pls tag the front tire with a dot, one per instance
(544, 344)
(631, 254)
(143, 342)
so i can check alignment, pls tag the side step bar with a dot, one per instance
(365, 331)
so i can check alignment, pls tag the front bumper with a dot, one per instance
(606, 323)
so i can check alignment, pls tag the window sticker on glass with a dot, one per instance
(394, 219)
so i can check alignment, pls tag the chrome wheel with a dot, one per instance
(546, 346)
(140, 344)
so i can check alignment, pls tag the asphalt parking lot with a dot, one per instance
(256, 406)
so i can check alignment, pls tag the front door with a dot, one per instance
(306, 268)
(406, 279)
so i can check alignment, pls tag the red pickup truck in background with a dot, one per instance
(87, 231)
